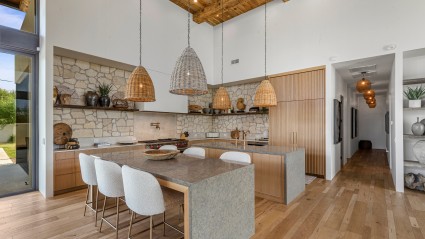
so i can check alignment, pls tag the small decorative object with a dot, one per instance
(61, 133)
(140, 87)
(104, 90)
(265, 96)
(363, 84)
(65, 99)
(418, 128)
(92, 98)
(55, 94)
(254, 109)
(415, 96)
(120, 103)
(72, 144)
(216, 112)
(414, 181)
(195, 108)
(240, 105)
(159, 154)
(207, 110)
(188, 77)
(419, 151)
(184, 135)
(234, 134)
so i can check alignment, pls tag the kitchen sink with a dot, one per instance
(253, 143)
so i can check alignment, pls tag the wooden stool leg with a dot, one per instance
(118, 217)
(150, 228)
(103, 214)
(87, 199)
(97, 199)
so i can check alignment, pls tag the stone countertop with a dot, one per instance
(102, 147)
(183, 170)
(266, 149)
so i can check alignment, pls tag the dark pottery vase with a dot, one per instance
(92, 98)
(104, 101)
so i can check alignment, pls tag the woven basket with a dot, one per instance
(265, 96)
(221, 99)
(140, 87)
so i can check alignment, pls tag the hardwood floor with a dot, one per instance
(359, 203)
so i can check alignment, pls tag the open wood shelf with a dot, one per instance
(414, 81)
(84, 107)
(411, 136)
(413, 109)
(231, 114)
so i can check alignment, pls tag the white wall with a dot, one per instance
(109, 29)
(352, 146)
(372, 122)
(308, 33)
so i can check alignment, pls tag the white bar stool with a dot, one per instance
(195, 151)
(88, 174)
(109, 178)
(144, 196)
(238, 157)
(168, 147)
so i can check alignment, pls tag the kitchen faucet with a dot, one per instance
(156, 125)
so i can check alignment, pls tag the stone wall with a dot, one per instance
(256, 124)
(194, 123)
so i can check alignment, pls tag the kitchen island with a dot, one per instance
(279, 170)
(219, 196)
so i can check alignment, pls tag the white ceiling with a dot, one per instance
(380, 80)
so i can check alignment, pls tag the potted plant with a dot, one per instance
(104, 90)
(415, 96)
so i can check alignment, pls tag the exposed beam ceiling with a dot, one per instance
(210, 10)
(22, 5)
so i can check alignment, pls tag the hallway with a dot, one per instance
(359, 203)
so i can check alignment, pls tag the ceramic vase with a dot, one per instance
(418, 128)
(104, 101)
(415, 103)
(91, 98)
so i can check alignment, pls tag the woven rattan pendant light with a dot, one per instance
(188, 77)
(363, 84)
(140, 87)
(221, 99)
(265, 96)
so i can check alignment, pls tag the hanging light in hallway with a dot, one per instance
(363, 84)
(188, 77)
(140, 87)
(371, 101)
(373, 105)
(221, 99)
(369, 93)
(265, 96)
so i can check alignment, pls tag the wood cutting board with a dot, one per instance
(61, 133)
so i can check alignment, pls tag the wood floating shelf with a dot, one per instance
(413, 109)
(414, 81)
(230, 114)
(93, 108)
(411, 136)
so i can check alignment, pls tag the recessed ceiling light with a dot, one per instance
(390, 47)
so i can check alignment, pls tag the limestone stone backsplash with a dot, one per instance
(194, 124)
(144, 131)
(256, 124)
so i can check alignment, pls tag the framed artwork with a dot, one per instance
(354, 128)
(337, 121)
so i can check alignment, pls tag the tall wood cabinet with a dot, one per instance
(299, 118)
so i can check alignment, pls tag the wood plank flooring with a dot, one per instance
(359, 203)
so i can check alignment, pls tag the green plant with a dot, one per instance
(415, 94)
(7, 107)
(105, 89)
(11, 139)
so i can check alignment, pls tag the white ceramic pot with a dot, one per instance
(415, 104)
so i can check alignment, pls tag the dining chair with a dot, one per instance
(168, 147)
(239, 157)
(88, 174)
(144, 196)
(110, 184)
(195, 151)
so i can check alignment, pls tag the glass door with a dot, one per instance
(17, 164)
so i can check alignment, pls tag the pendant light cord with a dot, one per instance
(188, 23)
(140, 33)
(265, 39)
(222, 43)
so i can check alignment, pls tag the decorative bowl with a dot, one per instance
(160, 154)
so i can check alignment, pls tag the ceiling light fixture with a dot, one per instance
(140, 87)
(188, 77)
(363, 84)
(221, 99)
(369, 93)
(265, 96)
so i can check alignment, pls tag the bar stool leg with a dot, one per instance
(118, 216)
(87, 199)
(150, 228)
(131, 224)
(97, 198)
(163, 222)
(103, 214)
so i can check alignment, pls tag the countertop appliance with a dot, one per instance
(212, 135)
(181, 144)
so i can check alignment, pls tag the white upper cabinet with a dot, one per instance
(165, 101)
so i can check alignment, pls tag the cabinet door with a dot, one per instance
(284, 86)
(269, 175)
(283, 123)
(309, 85)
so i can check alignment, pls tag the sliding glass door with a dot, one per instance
(17, 164)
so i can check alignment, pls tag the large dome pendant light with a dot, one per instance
(188, 77)
(265, 96)
(140, 87)
(363, 84)
(221, 99)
